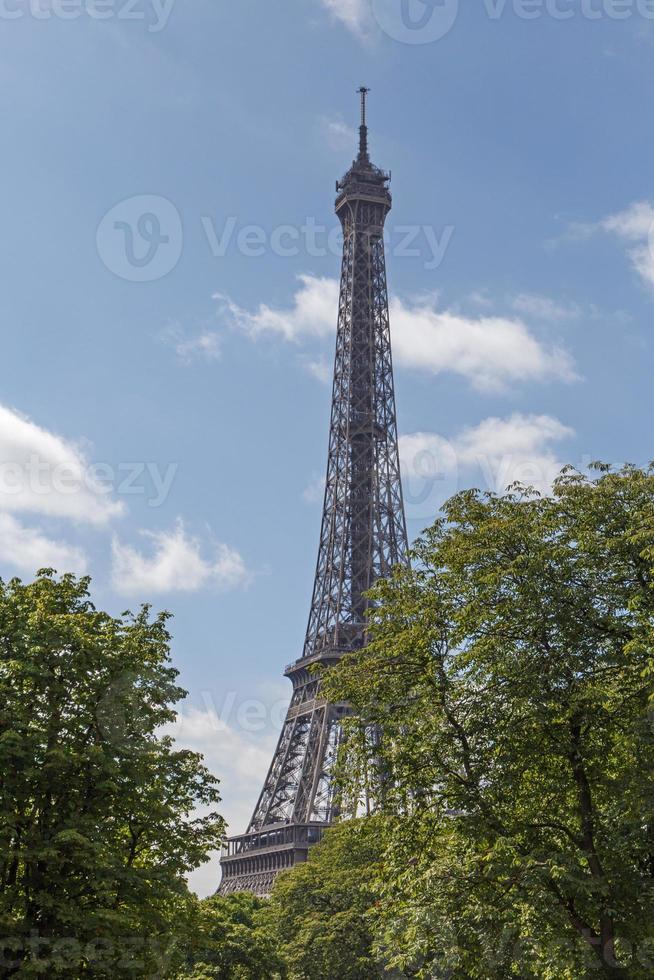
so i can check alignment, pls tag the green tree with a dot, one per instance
(511, 675)
(321, 908)
(97, 831)
(233, 939)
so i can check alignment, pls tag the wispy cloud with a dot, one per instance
(49, 477)
(314, 492)
(491, 352)
(176, 563)
(236, 749)
(312, 313)
(634, 223)
(27, 549)
(481, 299)
(353, 14)
(204, 346)
(634, 226)
(545, 308)
(495, 454)
(320, 368)
(44, 473)
(338, 135)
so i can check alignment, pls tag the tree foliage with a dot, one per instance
(233, 938)
(320, 908)
(511, 676)
(97, 831)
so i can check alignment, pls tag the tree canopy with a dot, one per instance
(320, 908)
(97, 824)
(510, 680)
(232, 937)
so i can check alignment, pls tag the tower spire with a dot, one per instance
(363, 128)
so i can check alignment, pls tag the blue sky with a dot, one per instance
(169, 253)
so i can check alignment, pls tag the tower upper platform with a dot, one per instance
(364, 181)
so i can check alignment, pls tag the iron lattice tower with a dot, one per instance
(363, 536)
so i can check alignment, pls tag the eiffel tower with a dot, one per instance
(363, 536)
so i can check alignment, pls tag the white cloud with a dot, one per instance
(320, 368)
(503, 451)
(490, 352)
(521, 434)
(203, 346)
(634, 223)
(338, 135)
(27, 550)
(481, 298)
(354, 14)
(633, 226)
(314, 492)
(313, 312)
(544, 308)
(225, 745)
(237, 743)
(43, 473)
(642, 260)
(176, 564)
